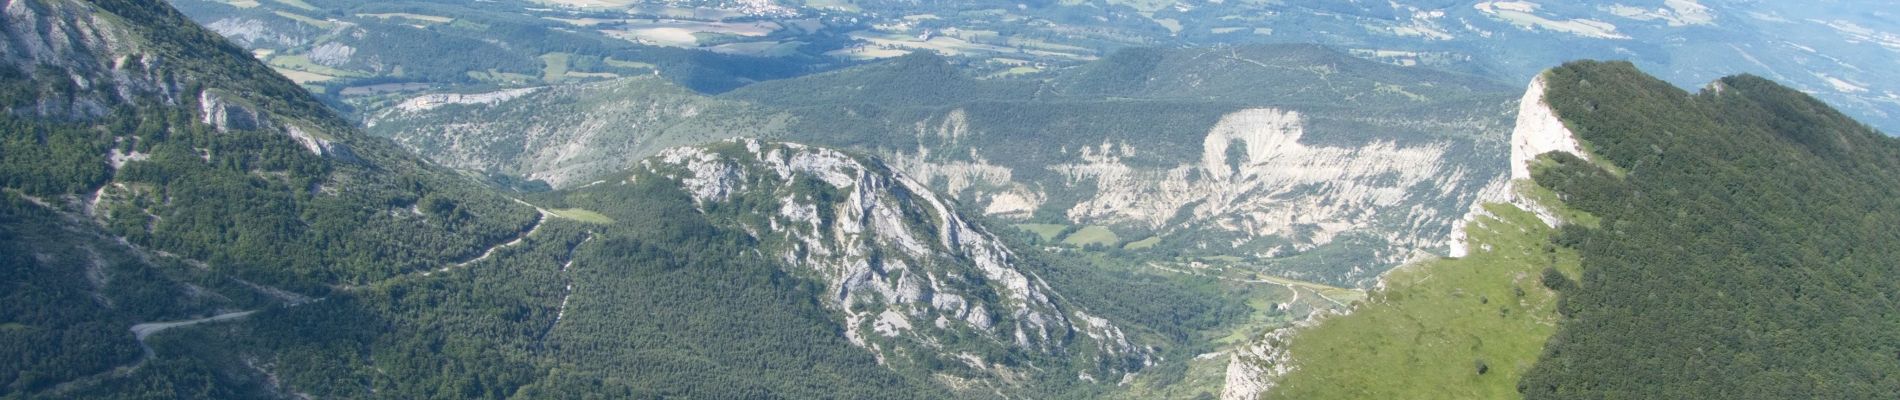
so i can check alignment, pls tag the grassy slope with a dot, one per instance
(1092, 235)
(1048, 232)
(1437, 320)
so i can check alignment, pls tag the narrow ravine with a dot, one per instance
(568, 292)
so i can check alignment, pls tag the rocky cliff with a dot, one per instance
(906, 272)
(1291, 182)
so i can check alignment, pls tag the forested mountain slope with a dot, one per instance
(168, 136)
(1746, 248)
(179, 222)
(154, 172)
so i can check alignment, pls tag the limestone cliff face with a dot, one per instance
(1257, 179)
(1261, 187)
(1538, 131)
(904, 270)
(1254, 369)
(91, 61)
(69, 37)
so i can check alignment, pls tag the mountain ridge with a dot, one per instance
(1632, 185)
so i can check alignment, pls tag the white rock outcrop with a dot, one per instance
(431, 101)
(226, 116)
(1255, 369)
(83, 41)
(1538, 131)
(70, 36)
(900, 264)
(1258, 179)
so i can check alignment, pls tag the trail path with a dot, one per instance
(142, 331)
(1293, 285)
(538, 221)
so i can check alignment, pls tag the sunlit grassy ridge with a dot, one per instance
(1455, 328)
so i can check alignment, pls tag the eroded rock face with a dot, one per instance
(254, 33)
(901, 265)
(1259, 187)
(1538, 131)
(56, 37)
(227, 116)
(64, 36)
(1272, 184)
(1254, 369)
(433, 101)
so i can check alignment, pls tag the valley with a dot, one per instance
(714, 46)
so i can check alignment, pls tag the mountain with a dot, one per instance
(1690, 243)
(1218, 156)
(563, 135)
(156, 172)
(182, 222)
(1184, 221)
(172, 138)
(179, 221)
(915, 282)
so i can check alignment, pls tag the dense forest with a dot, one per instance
(1746, 246)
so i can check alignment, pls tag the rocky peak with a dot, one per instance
(93, 59)
(83, 59)
(902, 267)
